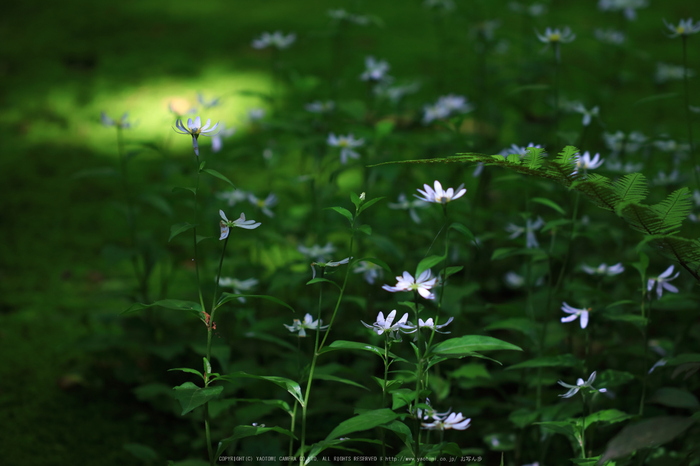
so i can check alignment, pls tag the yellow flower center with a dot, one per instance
(680, 29)
(554, 37)
(261, 203)
(343, 143)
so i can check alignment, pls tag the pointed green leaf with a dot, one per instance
(428, 263)
(369, 204)
(291, 386)
(464, 346)
(464, 230)
(333, 378)
(342, 211)
(191, 396)
(187, 369)
(185, 188)
(218, 175)
(364, 421)
(549, 203)
(366, 229)
(322, 280)
(562, 360)
(176, 304)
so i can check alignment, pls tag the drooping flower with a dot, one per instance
(346, 144)
(369, 270)
(240, 222)
(195, 129)
(276, 39)
(387, 324)
(662, 284)
(685, 27)
(587, 163)
(529, 230)
(264, 204)
(580, 384)
(375, 70)
(575, 314)
(308, 324)
(119, 122)
(429, 324)
(454, 421)
(422, 284)
(404, 204)
(604, 269)
(438, 195)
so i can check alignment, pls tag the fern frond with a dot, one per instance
(672, 211)
(631, 188)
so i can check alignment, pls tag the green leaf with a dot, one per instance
(560, 427)
(353, 345)
(464, 230)
(562, 360)
(240, 432)
(472, 370)
(364, 421)
(332, 378)
(607, 416)
(187, 369)
(674, 398)
(180, 228)
(369, 204)
(342, 211)
(175, 304)
(191, 396)
(648, 433)
(449, 271)
(366, 229)
(373, 260)
(466, 345)
(355, 199)
(551, 204)
(218, 175)
(291, 386)
(226, 297)
(323, 280)
(427, 263)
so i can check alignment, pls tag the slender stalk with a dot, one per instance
(419, 379)
(213, 304)
(645, 362)
(687, 113)
(583, 427)
(557, 62)
(130, 216)
(207, 432)
(571, 240)
(291, 439)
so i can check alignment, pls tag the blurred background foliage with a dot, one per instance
(78, 382)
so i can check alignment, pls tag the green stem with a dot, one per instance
(207, 432)
(291, 439)
(419, 379)
(687, 114)
(645, 362)
(557, 61)
(213, 304)
(130, 216)
(571, 241)
(583, 427)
